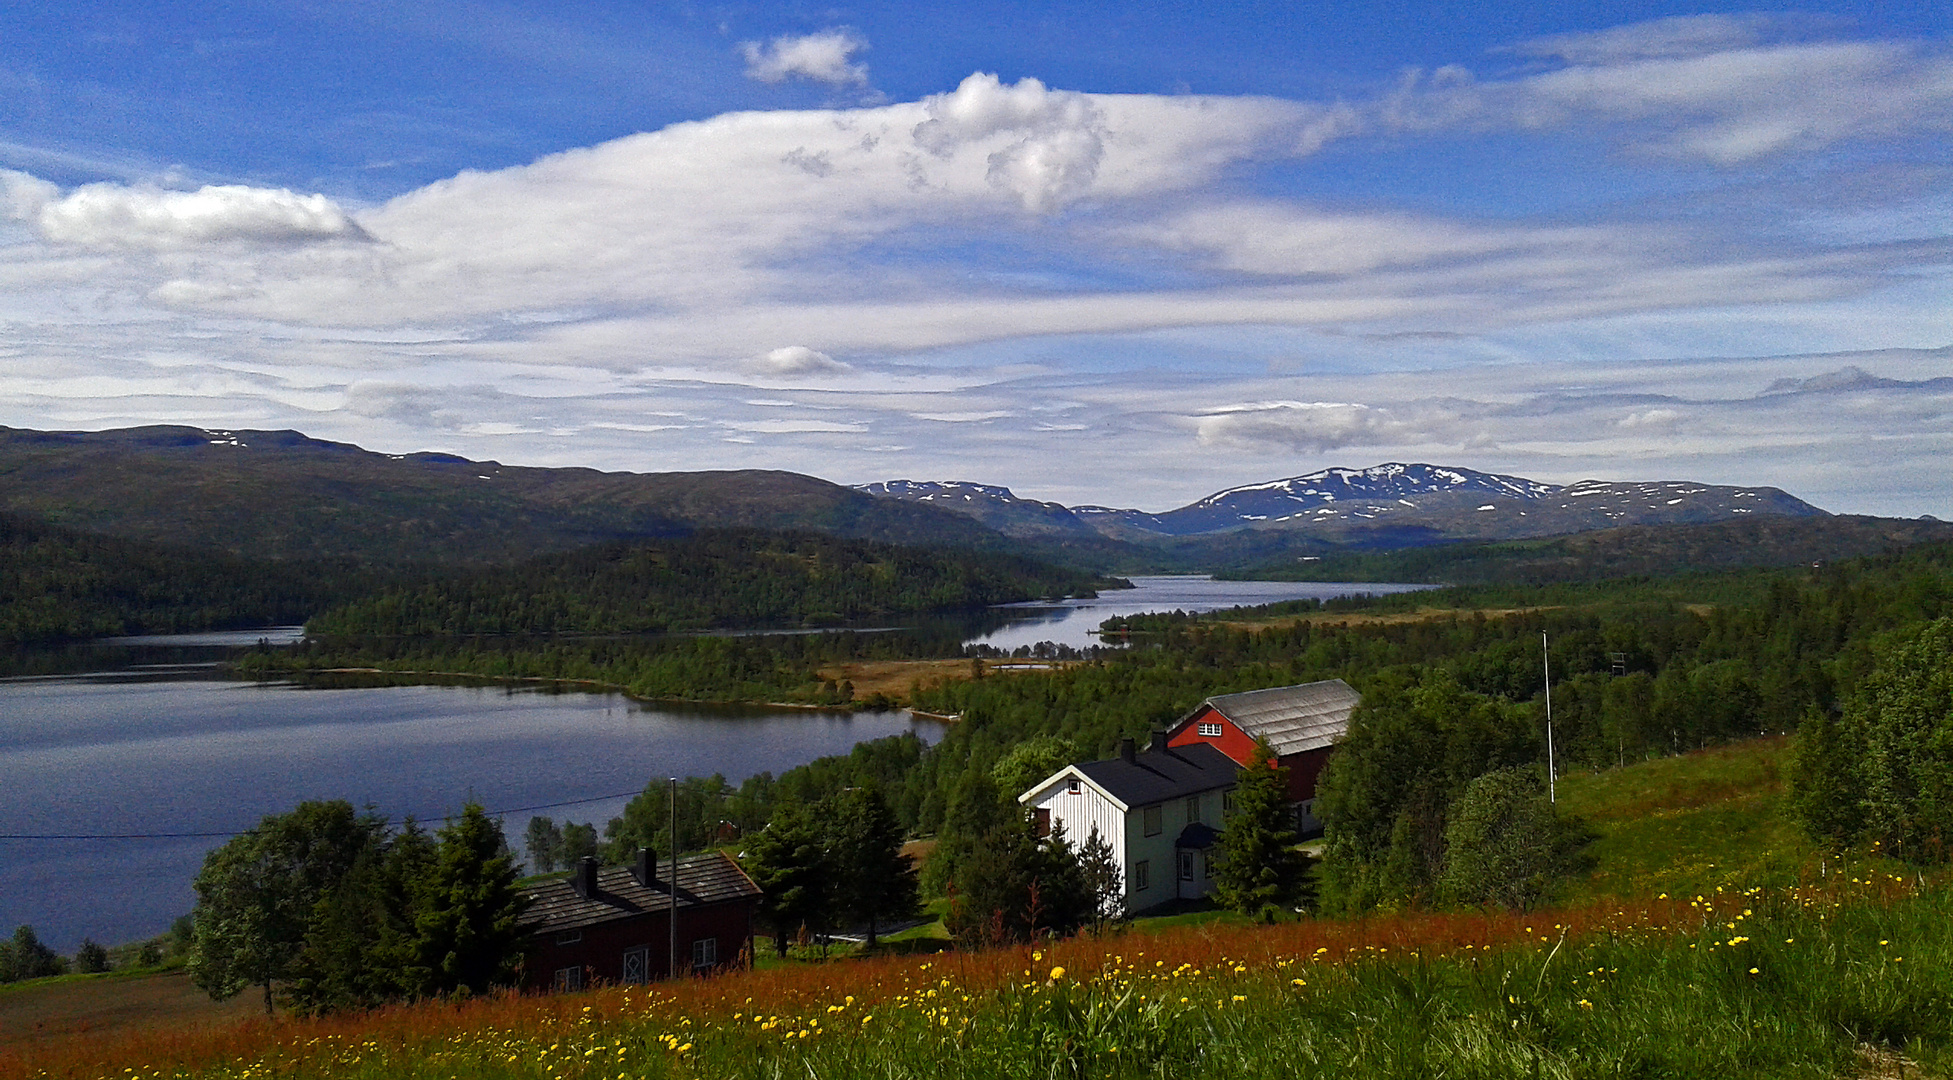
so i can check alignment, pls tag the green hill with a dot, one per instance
(281, 495)
(737, 578)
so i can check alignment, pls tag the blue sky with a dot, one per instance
(1120, 254)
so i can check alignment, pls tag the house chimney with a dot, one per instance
(646, 868)
(583, 877)
(1128, 752)
(1159, 739)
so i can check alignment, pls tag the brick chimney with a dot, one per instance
(1159, 739)
(1128, 751)
(645, 869)
(583, 877)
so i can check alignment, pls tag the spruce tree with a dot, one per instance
(788, 860)
(1259, 866)
(873, 879)
(465, 922)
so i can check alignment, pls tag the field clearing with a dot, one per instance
(897, 677)
(96, 1006)
(1351, 618)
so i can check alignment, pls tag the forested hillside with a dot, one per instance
(716, 579)
(1635, 550)
(59, 584)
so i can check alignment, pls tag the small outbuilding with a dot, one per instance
(606, 925)
(1302, 724)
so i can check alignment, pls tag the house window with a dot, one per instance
(1044, 821)
(1186, 866)
(569, 978)
(1193, 809)
(1151, 821)
(1140, 877)
(637, 964)
(1207, 865)
(569, 937)
(1072, 786)
(705, 952)
(1227, 804)
(1211, 731)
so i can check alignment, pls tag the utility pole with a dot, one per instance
(671, 898)
(1546, 665)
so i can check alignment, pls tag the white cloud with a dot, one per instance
(120, 216)
(793, 360)
(825, 57)
(1306, 425)
(1681, 35)
(1053, 140)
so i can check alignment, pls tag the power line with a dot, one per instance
(240, 832)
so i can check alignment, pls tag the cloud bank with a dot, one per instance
(1094, 293)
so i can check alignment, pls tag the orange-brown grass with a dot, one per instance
(805, 991)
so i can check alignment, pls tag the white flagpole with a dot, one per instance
(1546, 665)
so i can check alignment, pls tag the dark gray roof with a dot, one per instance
(1292, 718)
(708, 878)
(1158, 775)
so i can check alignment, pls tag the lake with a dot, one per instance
(1074, 622)
(152, 742)
(181, 750)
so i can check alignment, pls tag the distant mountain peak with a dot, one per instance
(1439, 500)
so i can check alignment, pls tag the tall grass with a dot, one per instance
(1776, 983)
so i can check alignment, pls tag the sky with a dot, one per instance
(1118, 254)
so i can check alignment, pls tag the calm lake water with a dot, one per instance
(185, 751)
(1073, 622)
(153, 739)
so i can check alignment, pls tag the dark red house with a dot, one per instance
(611, 924)
(1302, 724)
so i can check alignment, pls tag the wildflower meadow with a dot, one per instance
(1821, 979)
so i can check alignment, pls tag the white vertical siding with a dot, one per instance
(1081, 813)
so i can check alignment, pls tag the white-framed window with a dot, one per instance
(1210, 730)
(1140, 876)
(705, 952)
(1186, 866)
(1207, 865)
(1227, 804)
(1073, 786)
(569, 978)
(1193, 809)
(569, 937)
(637, 964)
(1152, 821)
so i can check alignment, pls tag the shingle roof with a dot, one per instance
(1292, 718)
(1198, 835)
(1158, 775)
(708, 878)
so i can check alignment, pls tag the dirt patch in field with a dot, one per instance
(116, 1005)
(896, 677)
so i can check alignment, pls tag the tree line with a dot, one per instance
(712, 579)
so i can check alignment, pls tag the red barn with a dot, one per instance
(610, 925)
(1301, 723)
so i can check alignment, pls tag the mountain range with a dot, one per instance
(1388, 505)
(281, 495)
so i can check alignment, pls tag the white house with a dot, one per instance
(1160, 810)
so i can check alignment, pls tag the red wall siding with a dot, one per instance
(601, 952)
(1303, 771)
(1232, 741)
(1303, 768)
